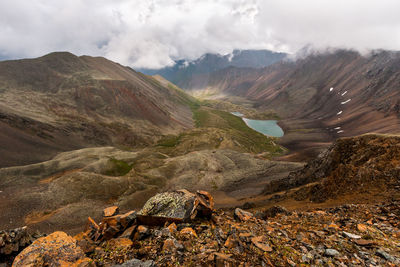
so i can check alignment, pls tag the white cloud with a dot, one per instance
(152, 33)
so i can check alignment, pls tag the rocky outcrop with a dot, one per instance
(361, 235)
(350, 165)
(13, 241)
(180, 205)
(56, 249)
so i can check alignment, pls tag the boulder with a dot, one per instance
(176, 206)
(56, 249)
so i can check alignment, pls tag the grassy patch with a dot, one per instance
(216, 127)
(170, 141)
(118, 167)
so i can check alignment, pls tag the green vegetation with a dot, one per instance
(216, 128)
(169, 141)
(118, 167)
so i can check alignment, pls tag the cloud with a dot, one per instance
(153, 33)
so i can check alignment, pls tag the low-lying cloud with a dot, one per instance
(153, 33)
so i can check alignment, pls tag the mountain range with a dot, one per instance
(194, 74)
(318, 98)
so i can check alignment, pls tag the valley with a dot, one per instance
(79, 134)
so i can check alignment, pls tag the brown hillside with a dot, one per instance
(61, 102)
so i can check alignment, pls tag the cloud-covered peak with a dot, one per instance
(154, 33)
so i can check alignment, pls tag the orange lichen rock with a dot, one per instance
(56, 249)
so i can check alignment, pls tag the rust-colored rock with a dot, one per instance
(85, 242)
(362, 227)
(243, 215)
(110, 211)
(231, 242)
(172, 228)
(110, 232)
(56, 249)
(206, 203)
(364, 243)
(141, 232)
(188, 231)
(129, 232)
(119, 243)
(127, 219)
(111, 221)
(261, 243)
(91, 225)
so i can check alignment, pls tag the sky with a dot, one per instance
(154, 33)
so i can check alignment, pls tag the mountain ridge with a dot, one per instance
(75, 102)
(194, 74)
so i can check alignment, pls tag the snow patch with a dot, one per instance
(345, 102)
(341, 131)
(230, 57)
(331, 89)
(344, 93)
(340, 112)
(337, 128)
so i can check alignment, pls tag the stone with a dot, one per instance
(91, 225)
(261, 243)
(231, 242)
(111, 221)
(364, 243)
(129, 232)
(243, 215)
(206, 203)
(110, 211)
(127, 219)
(330, 252)
(180, 205)
(120, 243)
(350, 235)
(110, 232)
(362, 227)
(333, 226)
(141, 232)
(56, 249)
(383, 254)
(188, 232)
(137, 263)
(176, 206)
(172, 245)
(172, 228)
(85, 242)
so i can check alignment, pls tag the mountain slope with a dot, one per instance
(61, 102)
(356, 167)
(320, 86)
(195, 74)
(323, 96)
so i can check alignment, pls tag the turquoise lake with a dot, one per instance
(266, 127)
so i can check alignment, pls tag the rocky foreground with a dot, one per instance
(180, 228)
